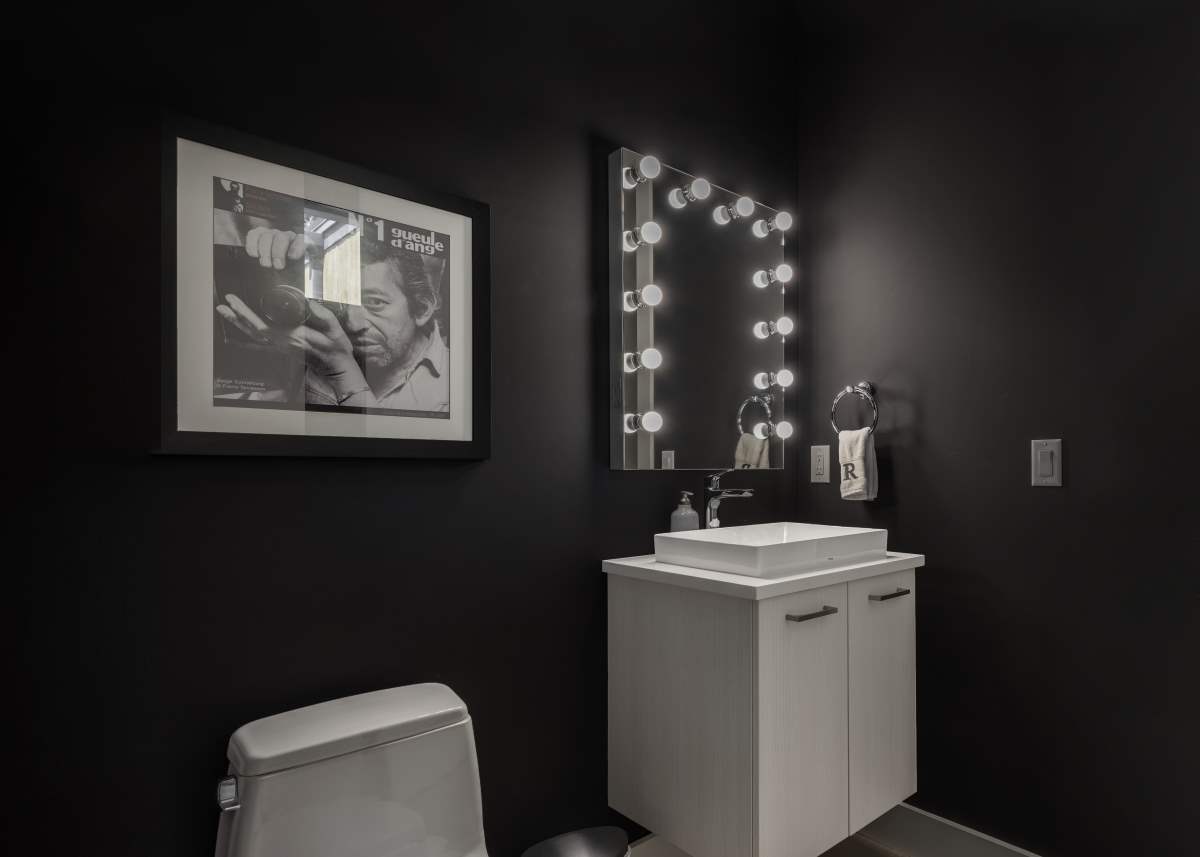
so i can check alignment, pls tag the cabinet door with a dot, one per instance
(883, 694)
(802, 723)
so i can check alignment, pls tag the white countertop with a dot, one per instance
(756, 588)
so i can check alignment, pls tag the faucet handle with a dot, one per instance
(714, 479)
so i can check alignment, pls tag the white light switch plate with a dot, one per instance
(1045, 462)
(818, 470)
(668, 459)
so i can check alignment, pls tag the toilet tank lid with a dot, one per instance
(342, 726)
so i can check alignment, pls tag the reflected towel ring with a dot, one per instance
(865, 390)
(765, 401)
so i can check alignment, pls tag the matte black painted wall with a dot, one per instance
(169, 600)
(1003, 225)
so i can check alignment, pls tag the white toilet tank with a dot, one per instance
(384, 774)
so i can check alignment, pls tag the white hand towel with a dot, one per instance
(856, 455)
(751, 453)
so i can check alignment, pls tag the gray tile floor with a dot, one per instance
(902, 832)
(857, 846)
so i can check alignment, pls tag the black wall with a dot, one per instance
(169, 600)
(1002, 235)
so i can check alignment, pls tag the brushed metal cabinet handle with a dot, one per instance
(899, 592)
(804, 617)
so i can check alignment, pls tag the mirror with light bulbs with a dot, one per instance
(697, 280)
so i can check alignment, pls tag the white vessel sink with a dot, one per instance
(771, 550)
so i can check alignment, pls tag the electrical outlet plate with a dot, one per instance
(1045, 462)
(668, 459)
(818, 470)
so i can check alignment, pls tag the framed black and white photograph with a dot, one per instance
(314, 307)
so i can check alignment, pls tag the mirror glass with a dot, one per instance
(696, 291)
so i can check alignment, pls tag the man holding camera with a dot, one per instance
(387, 353)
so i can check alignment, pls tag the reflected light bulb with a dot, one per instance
(721, 215)
(760, 228)
(761, 431)
(652, 421)
(762, 380)
(784, 325)
(651, 358)
(676, 198)
(783, 429)
(761, 279)
(762, 330)
(784, 377)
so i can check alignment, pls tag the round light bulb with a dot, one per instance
(651, 232)
(762, 380)
(784, 273)
(649, 166)
(783, 429)
(721, 215)
(761, 431)
(762, 330)
(783, 221)
(652, 421)
(744, 206)
(760, 228)
(784, 325)
(761, 279)
(676, 198)
(651, 294)
(700, 188)
(651, 358)
(784, 377)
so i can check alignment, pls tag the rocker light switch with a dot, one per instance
(1046, 461)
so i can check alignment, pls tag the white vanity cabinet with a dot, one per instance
(760, 717)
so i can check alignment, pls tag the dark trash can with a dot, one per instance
(589, 842)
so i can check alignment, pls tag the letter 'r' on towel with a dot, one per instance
(856, 458)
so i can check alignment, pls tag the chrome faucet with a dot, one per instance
(714, 494)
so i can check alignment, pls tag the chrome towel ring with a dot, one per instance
(865, 390)
(765, 401)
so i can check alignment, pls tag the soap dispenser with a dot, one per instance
(685, 517)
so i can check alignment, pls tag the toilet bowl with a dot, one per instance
(391, 773)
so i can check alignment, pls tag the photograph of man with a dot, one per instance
(386, 353)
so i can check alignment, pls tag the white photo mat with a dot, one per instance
(197, 166)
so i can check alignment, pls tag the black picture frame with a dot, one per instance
(171, 440)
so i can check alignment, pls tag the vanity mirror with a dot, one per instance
(697, 277)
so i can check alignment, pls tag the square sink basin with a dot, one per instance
(771, 550)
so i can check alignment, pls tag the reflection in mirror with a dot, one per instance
(697, 278)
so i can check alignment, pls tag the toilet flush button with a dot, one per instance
(227, 794)
(1046, 462)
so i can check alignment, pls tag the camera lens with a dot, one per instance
(284, 306)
